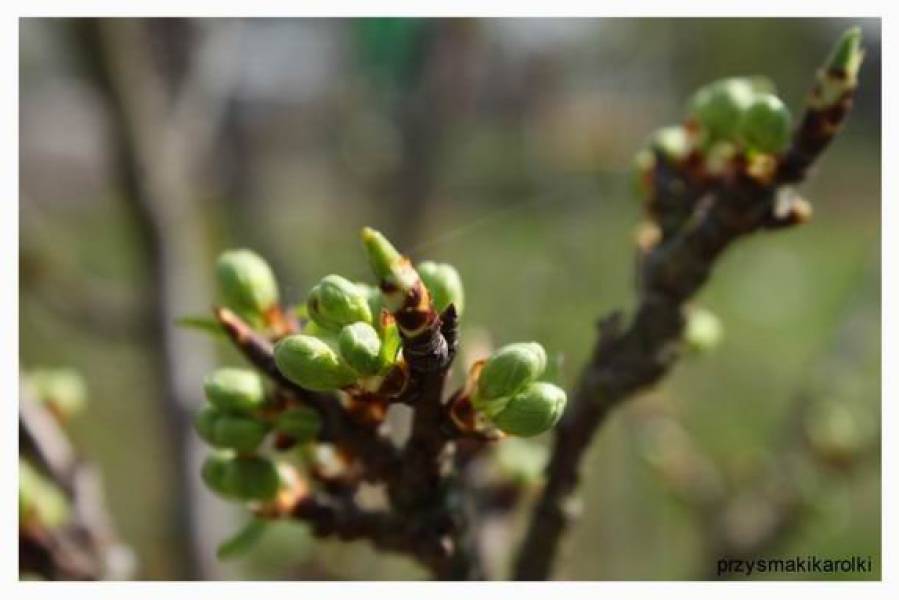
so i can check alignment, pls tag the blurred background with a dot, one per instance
(503, 147)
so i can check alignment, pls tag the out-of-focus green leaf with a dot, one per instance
(201, 323)
(242, 541)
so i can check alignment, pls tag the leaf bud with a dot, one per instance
(444, 284)
(535, 409)
(233, 389)
(719, 105)
(509, 369)
(311, 363)
(703, 331)
(847, 54)
(766, 125)
(360, 347)
(241, 478)
(839, 76)
(672, 142)
(247, 284)
(375, 302)
(835, 433)
(336, 302)
(63, 389)
(41, 499)
(301, 423)
(225, 430)
(393, 270)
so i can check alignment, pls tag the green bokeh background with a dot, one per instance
(529, 197)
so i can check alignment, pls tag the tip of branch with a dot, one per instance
(846, 56)
(382, 255)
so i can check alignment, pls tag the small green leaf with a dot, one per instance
(243, 541)
(390, 343)
(201, 323)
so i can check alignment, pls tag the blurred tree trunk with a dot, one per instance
(155, 143)
(422, 74)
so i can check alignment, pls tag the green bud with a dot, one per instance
(247, 284)
(703, 331)
(235, 390)
(241, 478)
(537, 408)
(766, 125)
(360, 347)
(224, 430)
(840, 73)
(509, 369)
(719, 105)
(41, 499)
(382, 255)
(444, 284)
(672, 142)
(835, 432)
(301, 423)
(215, 474)
(847, 53)
(311, 363)
(63, 389)
(375, 302)
(390, 267)
(336, 302)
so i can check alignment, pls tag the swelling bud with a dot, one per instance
(311, 363)
(509, 369)
(224, 430)
(247, 284)
(672, 142)
(62, 389)
(537, 408)
(360, 347)
(336, 302)
(703, 331)
(393, 270)
(766, 125)
(444, 284)
(235, 390)
(241, 478)
(719, 105)
(41, 499)
(302, 424)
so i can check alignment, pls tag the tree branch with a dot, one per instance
(624, 361)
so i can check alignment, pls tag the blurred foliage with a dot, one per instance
(529, 199)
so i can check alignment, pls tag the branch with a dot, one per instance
(86, 547)
(155, 154)
(625, 361)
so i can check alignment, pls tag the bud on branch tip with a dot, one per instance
(847, 55)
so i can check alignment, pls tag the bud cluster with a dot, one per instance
(510, 396)
(354, 349)
(346, 343)
(727, 119)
